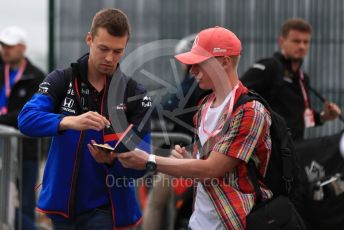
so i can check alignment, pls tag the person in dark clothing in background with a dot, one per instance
(188, 95)
(19, 80)
(281, 80)
(1, 61)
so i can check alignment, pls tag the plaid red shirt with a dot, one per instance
(248, 137)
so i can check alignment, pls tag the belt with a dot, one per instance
(105, 207)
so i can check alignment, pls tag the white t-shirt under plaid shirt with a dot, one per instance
(204, 215)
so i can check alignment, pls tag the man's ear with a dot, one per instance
(88, 39)
(226, 61)
(23, 48)
(280, 41)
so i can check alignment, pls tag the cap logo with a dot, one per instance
(195, 42)
(219, 50)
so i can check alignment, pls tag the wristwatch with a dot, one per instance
(151, 163)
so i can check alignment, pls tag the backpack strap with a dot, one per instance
(284, 138)
(252, 170)
(287, 161)
(253, 174)
(243, 99)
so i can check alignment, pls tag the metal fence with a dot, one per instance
(11, 182)
(9, 171)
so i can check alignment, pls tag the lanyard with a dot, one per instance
(303, 89)
(207, 106)
(16, 78)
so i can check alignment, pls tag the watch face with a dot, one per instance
(150, 166)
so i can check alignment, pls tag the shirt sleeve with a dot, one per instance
(39, 116)
(246, 128)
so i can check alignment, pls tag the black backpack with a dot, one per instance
(282, 176)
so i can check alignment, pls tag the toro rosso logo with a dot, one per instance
(146, 102)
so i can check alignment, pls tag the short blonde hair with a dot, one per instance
(234, 60)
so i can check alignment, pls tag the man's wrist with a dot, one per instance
(322, 117)
(151, 163)
(64, 123)
(151, 157)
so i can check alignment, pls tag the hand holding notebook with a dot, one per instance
(124, 144)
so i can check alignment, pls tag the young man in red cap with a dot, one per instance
(224, 195)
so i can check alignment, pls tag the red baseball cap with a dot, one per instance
(211, 42)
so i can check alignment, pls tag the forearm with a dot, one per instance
(66, 123)
(38, 117)
(216, 165)
(39, 124)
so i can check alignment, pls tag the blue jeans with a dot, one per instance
(92, 220)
